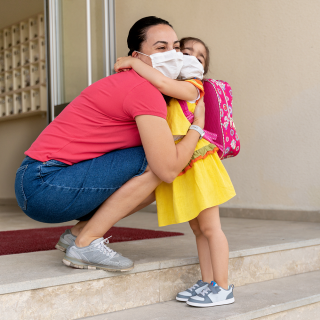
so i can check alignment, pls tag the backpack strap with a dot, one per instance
(209, 136)
(189, 115)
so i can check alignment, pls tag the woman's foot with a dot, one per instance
(97, 255)
(212, 296)
(66, 239)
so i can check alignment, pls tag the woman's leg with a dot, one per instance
(203, 251)
(75, 230)
(209, 222)
(151, 198)
(117, 206)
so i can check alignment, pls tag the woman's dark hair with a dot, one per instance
(183, 41)
(138, 31)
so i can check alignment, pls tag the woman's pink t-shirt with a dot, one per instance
(101, 119)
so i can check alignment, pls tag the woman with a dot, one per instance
(89, 165)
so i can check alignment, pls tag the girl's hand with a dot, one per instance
(199, 114)
(123, 64)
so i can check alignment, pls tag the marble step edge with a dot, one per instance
(255, 314)
(276, 308)
(141, 267)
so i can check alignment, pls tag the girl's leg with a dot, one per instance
(75, 230)
(117, 206)
(209, 222)
(203, 252)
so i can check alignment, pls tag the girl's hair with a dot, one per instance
(138, 31)
(183, 42)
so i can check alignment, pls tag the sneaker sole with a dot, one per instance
(182, 299)
(75, 263)
(60, 246)
(204, 305)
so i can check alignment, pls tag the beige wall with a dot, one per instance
(269, 51)
(17, 10)
(16, 136)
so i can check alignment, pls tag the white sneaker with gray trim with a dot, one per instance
(97, 255)
(192, 291)
(212, 296)
(66, 239)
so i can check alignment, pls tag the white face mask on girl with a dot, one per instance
(168, 63)
(191, 68)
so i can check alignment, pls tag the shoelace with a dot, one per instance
(102, 246)
(195, 286)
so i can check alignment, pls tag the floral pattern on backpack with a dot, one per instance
(226, 135)
(219, 126)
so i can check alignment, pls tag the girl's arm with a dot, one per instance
(177, 89)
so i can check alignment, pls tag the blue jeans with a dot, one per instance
(55, 192)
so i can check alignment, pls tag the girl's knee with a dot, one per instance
(194, 225)
(208, 231)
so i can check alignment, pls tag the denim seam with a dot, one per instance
(40, 174)
(52, 185)
(56, 163)
(21, 168)
(143, 165)
(24, 168)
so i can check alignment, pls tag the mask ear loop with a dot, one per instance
(142, 53)
(146, 56)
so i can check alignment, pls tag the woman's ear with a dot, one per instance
(135, 54)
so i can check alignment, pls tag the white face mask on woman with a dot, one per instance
(168, 63)
(191, 68)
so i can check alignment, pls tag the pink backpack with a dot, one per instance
(219, 127)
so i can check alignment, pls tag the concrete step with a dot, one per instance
(291, 298)
(38, 286)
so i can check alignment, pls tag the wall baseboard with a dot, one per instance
(271, 214)
(262, 214)
(8, 202)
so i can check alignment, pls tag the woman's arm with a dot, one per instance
(165, 158)
(177, 89)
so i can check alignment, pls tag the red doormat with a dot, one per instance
(32, 240)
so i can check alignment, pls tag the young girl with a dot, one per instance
(204, 184)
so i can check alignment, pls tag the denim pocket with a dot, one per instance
(50, 168)
(20, 195)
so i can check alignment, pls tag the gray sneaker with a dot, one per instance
(212, 296)
(66, 239)
(96, 256)
(193, 291)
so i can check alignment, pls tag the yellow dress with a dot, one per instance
(204, 183)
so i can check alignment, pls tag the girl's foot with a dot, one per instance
(193, 291)
(212, 296)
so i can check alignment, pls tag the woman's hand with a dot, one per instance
(123, 64)
(199, 114)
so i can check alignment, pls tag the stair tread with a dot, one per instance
(28, 271)
(251, 301)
